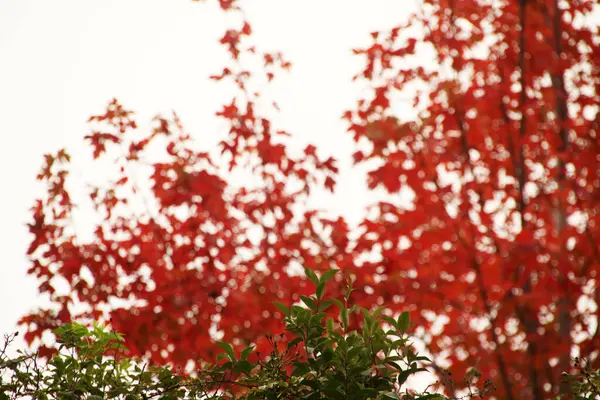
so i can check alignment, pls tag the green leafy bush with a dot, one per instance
(585, 382)
(324, 360)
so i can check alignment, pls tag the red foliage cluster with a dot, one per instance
(500, 244)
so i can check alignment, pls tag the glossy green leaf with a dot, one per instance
(328, 275)
(228, 349)
(404, 321)
(312, 276)
(310, 303)
(284, 309)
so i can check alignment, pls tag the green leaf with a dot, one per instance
(296, 311)
(309, 302)
(328, 275)
(320, 290)
(284, 309)
(61, 329)
(228, 349)
(395, 365)
(344, 317)
(325, 305)
(243, 366)
(390, 321)
(353, 352)
(294, 342)
(404, 321)
(378, 311)
(403, 376)
(246, 352)
(312, 276)
(330, 325)
(318, 317)
(367, 315)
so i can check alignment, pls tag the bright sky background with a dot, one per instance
(62, 61)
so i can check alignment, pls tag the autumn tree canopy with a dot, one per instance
(500, 242)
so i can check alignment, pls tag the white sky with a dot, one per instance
(63, 60)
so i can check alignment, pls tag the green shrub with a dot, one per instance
(585, 382)
(324, 360)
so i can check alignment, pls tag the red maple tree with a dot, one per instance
(499, 248)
